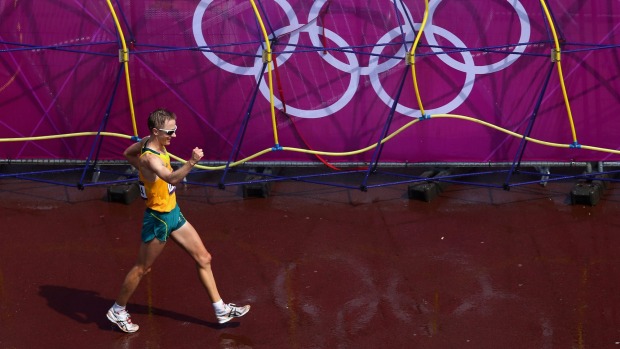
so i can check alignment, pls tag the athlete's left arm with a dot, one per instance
(159, 168)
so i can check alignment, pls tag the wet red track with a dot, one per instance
(322, 267)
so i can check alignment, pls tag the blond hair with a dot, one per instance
(158, 117)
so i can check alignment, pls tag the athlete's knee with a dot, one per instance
(140, 270)
(204, 260)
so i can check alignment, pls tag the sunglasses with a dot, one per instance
(168, 132)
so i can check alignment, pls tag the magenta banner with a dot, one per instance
(488, 73)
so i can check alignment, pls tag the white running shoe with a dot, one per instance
(232, 311)
(122, 320)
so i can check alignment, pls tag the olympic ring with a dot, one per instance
(336, 106)
(316, 41)
(364, 301)
(453, 104)
(429, 33)
(374, 68)
(231, 68)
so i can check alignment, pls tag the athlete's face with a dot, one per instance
(166, 133)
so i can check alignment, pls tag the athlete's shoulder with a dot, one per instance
(149, 159)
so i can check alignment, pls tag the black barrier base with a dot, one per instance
(124, 193)
(257, 189)
(587, 193)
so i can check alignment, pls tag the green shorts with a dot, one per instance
(161, 224)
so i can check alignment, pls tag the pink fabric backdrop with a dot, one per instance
(59, 66)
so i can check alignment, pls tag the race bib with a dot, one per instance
(142, 189)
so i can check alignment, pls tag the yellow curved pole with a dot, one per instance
(124, 56)
(326, 153)
(66, 135)
(233, 164)
(412, 55)
(556, 57)
(268, 59)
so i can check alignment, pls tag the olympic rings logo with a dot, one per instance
(364, 291)
(374, 68)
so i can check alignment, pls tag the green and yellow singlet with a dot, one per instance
(159, 195)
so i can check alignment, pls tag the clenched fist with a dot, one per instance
(197, 154)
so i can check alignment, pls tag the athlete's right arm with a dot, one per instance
(132, 153)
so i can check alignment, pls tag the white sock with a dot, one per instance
(219, 306)
(117, 308)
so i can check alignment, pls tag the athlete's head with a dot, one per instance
(158, 118)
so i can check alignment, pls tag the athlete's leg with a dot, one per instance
(190, 241)
(146, 256)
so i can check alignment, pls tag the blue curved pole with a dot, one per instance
(102, 126)
(519, 155)
(372, 166)
(234, 153)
